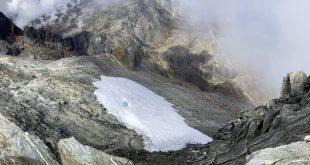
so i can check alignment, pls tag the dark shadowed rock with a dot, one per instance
(187, 66)
(8, 30)
(86, 43)
(41, 35)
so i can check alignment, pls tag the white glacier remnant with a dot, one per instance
(149, 114)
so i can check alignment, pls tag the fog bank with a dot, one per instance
(269, 37)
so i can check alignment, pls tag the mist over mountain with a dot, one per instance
(153, 81)
(269, 38)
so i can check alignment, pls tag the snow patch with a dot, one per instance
(148, 114)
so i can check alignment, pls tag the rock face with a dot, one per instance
(115, 31)
(84, 43)
(72, 152)
(9, 33)
(18, 147)
(280, 121)
(294, 84)
(8, 30)
(187, 66)
(145, 39)
(295, 153)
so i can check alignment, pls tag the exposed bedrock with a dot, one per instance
(281, 121)
(54, 100)
(294, 153)
(19, 147)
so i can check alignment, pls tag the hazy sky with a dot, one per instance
(269, 36)
(24, 11)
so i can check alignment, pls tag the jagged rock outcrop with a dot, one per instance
(72, 152)
(19, 147)
(280, 121)
(295, 153)
(41, 35)
(30, 43)
(125, 28)
(294, 84)
(84, 43)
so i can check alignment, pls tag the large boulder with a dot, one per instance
(19, 147)
(73, 152)
(294, 153)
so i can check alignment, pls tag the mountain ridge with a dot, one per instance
(47, 87)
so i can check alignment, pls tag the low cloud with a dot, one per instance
(268, 37)
(25, 11)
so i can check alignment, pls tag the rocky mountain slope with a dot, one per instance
(281, 121)
(47, 89)
(152, 37)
